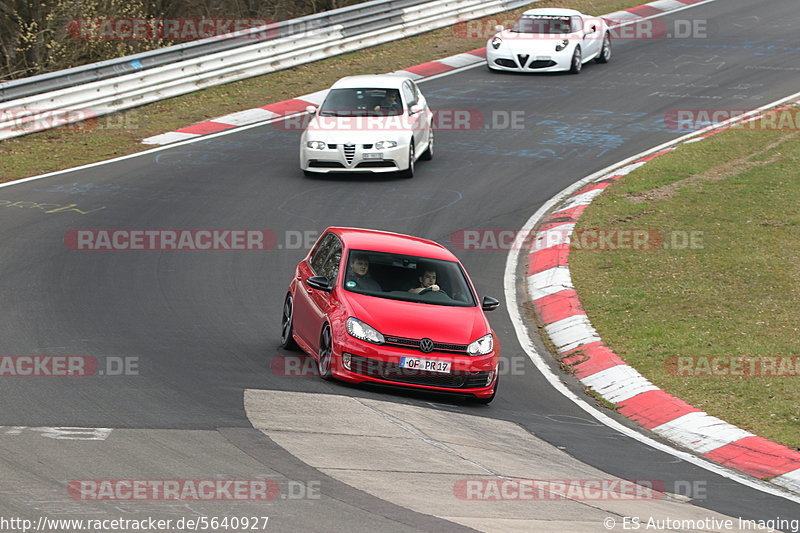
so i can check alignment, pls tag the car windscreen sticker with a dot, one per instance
(350, 284)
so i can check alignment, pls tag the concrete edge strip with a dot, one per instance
(416, 72)
(598, 367)
(263, 449)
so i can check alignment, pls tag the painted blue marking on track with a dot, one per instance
(136, 64)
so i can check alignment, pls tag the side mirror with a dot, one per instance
(499, 28)
(311, 110)
(489, 303)
(320, 283)
(416, 108)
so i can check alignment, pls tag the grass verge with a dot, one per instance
(119, 134)
(734, 294)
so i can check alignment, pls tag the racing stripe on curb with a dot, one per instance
(645, 10)
(431, 68)
(580, 347)
(757, 456)
(204, 128)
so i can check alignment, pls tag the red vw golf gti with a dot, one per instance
(392, 309)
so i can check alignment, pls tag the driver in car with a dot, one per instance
(427, 281)
(390, 102)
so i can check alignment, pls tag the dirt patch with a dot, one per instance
(720, 172)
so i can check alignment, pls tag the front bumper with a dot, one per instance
(353, 158)
(547, 61)
(381, 364)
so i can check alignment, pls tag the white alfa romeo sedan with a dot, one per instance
(369, 124)
(549, 40)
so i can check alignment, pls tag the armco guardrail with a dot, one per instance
(155, 58)
(228, 59)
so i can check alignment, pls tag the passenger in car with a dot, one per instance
(358, 273)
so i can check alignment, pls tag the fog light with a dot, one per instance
(346, 360)
(490, 378)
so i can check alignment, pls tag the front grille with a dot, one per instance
(523, 58)
(375, 164)
(325, 164)
(437, 346)
(506, 63)
(332, 147)
(349, 152)
(367, 147)
(391, 372)
(544, 63)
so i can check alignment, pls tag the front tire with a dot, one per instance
(605, 51)
(409, 172)
(577, 61)
(287, 324)
(325, 357)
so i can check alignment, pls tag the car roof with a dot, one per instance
(380, 81)
(552, 12)
(384, 241)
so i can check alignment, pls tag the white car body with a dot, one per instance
(365, 138)
(532, 50)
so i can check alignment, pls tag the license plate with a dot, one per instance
(425, 365)
(542, 58)
(373, 156)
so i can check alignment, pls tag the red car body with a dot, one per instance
(316, 314)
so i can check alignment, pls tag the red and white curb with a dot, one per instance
(652, 9)
(424, 70)
(598, 367)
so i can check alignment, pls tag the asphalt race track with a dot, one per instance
(204, 326)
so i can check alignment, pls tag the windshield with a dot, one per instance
(408, 278)
(542, 25)
(362, 102)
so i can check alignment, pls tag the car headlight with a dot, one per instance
(316, 145)
(496, 42)
(481, 346)
(383, 145)
(563, 44)
(364, 332)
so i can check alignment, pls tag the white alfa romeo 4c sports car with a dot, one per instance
(549, 40)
